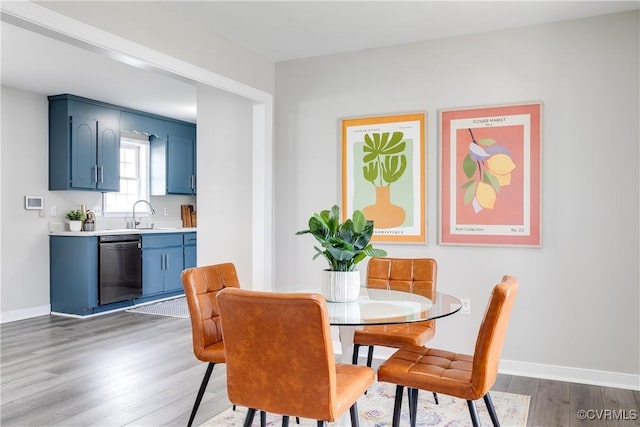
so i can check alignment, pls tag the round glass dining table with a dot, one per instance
(383, 307)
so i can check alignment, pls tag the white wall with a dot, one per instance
(25, 279)
(224, 181)
(578, 302)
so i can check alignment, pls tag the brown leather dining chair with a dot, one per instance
(468, 377)
(201, 286)
(417, 275)
(280, 357)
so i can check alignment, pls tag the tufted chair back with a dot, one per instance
(201, 286)
(416, 275)
(280, 356)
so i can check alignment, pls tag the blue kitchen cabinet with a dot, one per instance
(173, 160)
(146, 124)
(190, 249)
(162, 264)
(74, 271)
(84, 145)
(73, 274)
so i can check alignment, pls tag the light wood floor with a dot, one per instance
(125, 369)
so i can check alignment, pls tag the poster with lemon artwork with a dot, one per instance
(490, 176)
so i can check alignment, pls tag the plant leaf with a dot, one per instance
(359, 221)
(469, 166)
(486, 141)
(370, 171)
(395, 145)
(470, 193)
(492, 180)
(391, 171)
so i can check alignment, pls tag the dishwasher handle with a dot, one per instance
(114, 238)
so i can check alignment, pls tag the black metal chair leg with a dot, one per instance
(397, 406)
(474, 413)
(263, 419)
(353, 411)
(492, 410)
(285, 421)
(249, 418)
(410, 401)
(370, 356)
(203, 387)
(413, 406)
(297, 420)
(322, 423)
(356, 350)
(435, 397)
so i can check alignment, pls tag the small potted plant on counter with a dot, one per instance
(343, 245)
(75, 217)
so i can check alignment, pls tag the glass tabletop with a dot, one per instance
(385, 306)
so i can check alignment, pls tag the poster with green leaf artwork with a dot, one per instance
(383, 174)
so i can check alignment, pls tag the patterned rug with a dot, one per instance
(376, 410)
(176, 307)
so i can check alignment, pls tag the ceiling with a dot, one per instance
(277, 31)
(286, 30)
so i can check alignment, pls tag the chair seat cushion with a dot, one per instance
(430, 369)
(395, 336)
(351, 383)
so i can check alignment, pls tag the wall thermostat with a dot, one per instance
(33, 202)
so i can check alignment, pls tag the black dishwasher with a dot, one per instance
(120, 268)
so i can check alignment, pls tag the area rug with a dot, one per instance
(176, 307)
(376, 410)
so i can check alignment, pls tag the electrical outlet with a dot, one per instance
(53, 211)
(466, 306)
(165, 212)
(97, 210)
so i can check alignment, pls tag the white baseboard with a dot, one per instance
(570, 374)
(27, 313)
(547, 372)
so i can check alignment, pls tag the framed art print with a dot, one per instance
(490, 175)
(383, 174)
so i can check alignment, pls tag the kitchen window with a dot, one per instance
(134, 177)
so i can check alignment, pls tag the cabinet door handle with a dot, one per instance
(166, 262)
(101, 174)
(95, 173)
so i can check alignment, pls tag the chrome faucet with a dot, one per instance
(133, 215)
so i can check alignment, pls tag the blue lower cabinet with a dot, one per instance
(190, 249)
(73, 274)
(74, 271)
(162, 264)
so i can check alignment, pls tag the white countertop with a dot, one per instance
(124, 231)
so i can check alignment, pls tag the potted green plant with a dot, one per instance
(342, 245)
(75, 217)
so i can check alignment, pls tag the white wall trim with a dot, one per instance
(535, 370)
(25, 313)
(52, 24)
(570, 374)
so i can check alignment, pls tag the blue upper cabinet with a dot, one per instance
(173, 160)
(142, 123)
(84, 145)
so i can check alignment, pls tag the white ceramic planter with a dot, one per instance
(75, 225)
(341, 286)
